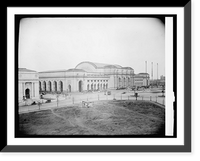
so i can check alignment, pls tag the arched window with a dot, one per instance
(61, 86)
(55, 86)
(40, 86)
(44, 86)
(49, 84)
(69, 88)
(80, 83)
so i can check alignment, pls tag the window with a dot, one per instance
(88, 80)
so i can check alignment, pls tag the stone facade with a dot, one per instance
(141, 79)
(28, 84)
(87, 76)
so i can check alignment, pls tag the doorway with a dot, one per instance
(27, 93)
(80, 86)
(69, 87)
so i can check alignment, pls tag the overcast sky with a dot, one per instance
(62, 43)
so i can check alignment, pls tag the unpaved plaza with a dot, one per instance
(104, 118)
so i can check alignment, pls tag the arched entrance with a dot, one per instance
(49, 86)
(44, 86)
(61, 86)
(80, 83)
(40, 86)
(27, 93)
(55, 86)
(69, 87)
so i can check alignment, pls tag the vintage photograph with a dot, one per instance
(91, 77)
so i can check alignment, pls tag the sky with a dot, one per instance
(62, 43)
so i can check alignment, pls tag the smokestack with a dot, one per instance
(152, 70)
(146, 66)
(157, 71)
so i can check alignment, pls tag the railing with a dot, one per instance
(156, 99)
(73, 100)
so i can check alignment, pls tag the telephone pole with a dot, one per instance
(157, 74)
(152, 70)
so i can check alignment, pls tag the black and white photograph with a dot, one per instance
(98, 79)
(91, 76)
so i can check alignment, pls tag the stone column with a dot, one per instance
(22, 90)
(42, 85)
(31, 89)
(58, 86)
(23, 85)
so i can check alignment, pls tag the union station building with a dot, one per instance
(87, 76)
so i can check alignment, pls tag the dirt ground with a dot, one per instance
(103, 118)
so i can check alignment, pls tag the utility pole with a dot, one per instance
(146, 71)
(146, 66)
(152, 70)
(157, 74)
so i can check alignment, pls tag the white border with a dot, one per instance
(11, 11)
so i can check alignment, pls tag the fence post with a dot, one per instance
(57, 100)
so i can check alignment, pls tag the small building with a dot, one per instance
(141, 79)
(28, 84)
(158, 82)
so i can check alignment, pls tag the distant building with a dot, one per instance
(158, 82)
(87, 76)
(141, 79)
(161, 82)
(28, 84)
(162, 77)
